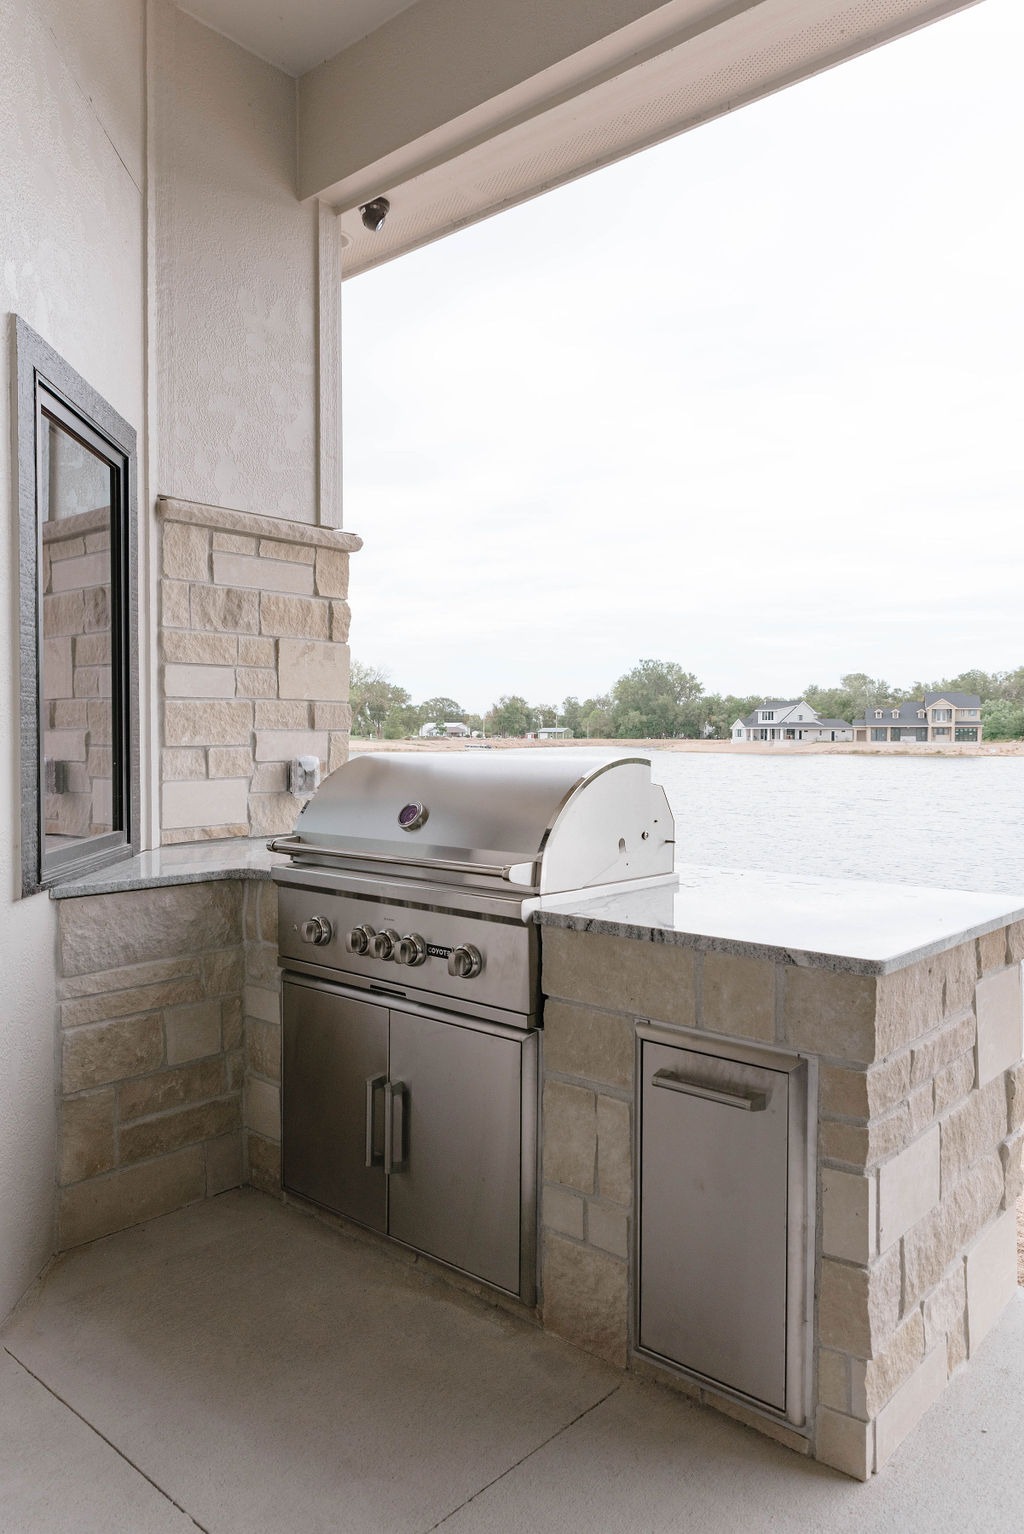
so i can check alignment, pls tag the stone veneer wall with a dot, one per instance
(920, 1141)
(170, 1051)
(253, 666)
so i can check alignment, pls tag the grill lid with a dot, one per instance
(549, 820)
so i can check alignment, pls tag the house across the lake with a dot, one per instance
(938, 717)
(779, 719)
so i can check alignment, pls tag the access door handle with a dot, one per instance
(394, 1127)
(374, 1084)
(752, 1102)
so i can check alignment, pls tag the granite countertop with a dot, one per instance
(191, 863)
(850, 925)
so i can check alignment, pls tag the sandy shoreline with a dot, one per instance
(726, 747)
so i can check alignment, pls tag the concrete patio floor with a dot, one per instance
(241, 1368)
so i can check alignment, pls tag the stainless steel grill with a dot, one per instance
(412, 982)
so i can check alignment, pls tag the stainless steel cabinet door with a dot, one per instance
(456, 1124)
(333, 1050)
(713, 1218)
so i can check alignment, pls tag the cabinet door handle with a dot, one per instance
(752, 1102)
(374, 1084)
(394, 1127)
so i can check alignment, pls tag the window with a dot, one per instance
(895, 713)
(941, 713)
(878, 713)
(765, 715)
(79, 686)
(920, 713)
(967, 732)
(879, 734)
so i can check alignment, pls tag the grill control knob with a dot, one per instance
(359, 939)
(465, 962)
(383, 945)
(411, 949)
(317, 930)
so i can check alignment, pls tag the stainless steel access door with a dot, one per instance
(334, 1070)
(715, 1243)
(465, 1092)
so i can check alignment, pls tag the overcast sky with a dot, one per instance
(749, 401)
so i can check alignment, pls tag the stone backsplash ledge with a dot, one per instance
(254, 665)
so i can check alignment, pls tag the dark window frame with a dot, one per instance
(49, 389)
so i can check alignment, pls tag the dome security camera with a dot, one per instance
(374, 213)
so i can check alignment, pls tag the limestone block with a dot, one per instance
(192, 1032)
(182, 764)
(608, 1228)
(562, 1211)
(230, 761)
(106, 1052)
(261, 966)
(146, 1095)
(911, 1002)
(212, 723)
(174, 605)
(217, 802)
(225, 609)
(843, 1092)
(933, 1244)
(341, 622)
(598, 1046)
(267, 901)
(86, 1136)
(939, 1048)
(261, 1003)
(844, 1443)
(641, 979)
(223, 971)
(188, 649)
(831, 1014)
(992, 951)
(263, 1048)
(64, 614)
(337, 750)
(332, 716)
(297, 617)
(231, 1023)
(263, 1109)
(833, 1380)
(848, 1215)
(223, 1164)
(972, 1130)
(298, 553)
(130, 976)
(132, 999)
(1011, 1153)
(921, 1108)
(310, 669)
(272, 814)
(960, 973)
(863, 1145)
(1000, 1023)
(199, 681)
(954, 1083)
(186, 552)
(946, 1307)
(991, 1277)
(191, 834)
(257, 651)
(256, 682)
(873, 1382)
(235, 543)
(858, 1307)
(274, 715)
(263, 1161)
(614, 1150)
(187, 1126)
(283, 745)
(127, 1197)
(585, 1297)
(570, 1136)
(262, 574)
(1015, 942)
(908, 1187)
(739, 996)
(909, 1405)
(269, 778)
(331, 573)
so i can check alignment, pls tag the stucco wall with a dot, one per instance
(236, 278)
(71, 263)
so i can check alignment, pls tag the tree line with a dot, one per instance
(658, 700)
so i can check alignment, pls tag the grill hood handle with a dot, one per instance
(512, 873)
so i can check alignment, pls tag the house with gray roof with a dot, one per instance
(792, 719)
(939, 718)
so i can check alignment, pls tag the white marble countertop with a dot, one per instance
(191, 863)
(853, 925)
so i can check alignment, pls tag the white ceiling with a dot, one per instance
(295, 35)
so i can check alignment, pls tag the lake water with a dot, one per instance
(956, 822)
